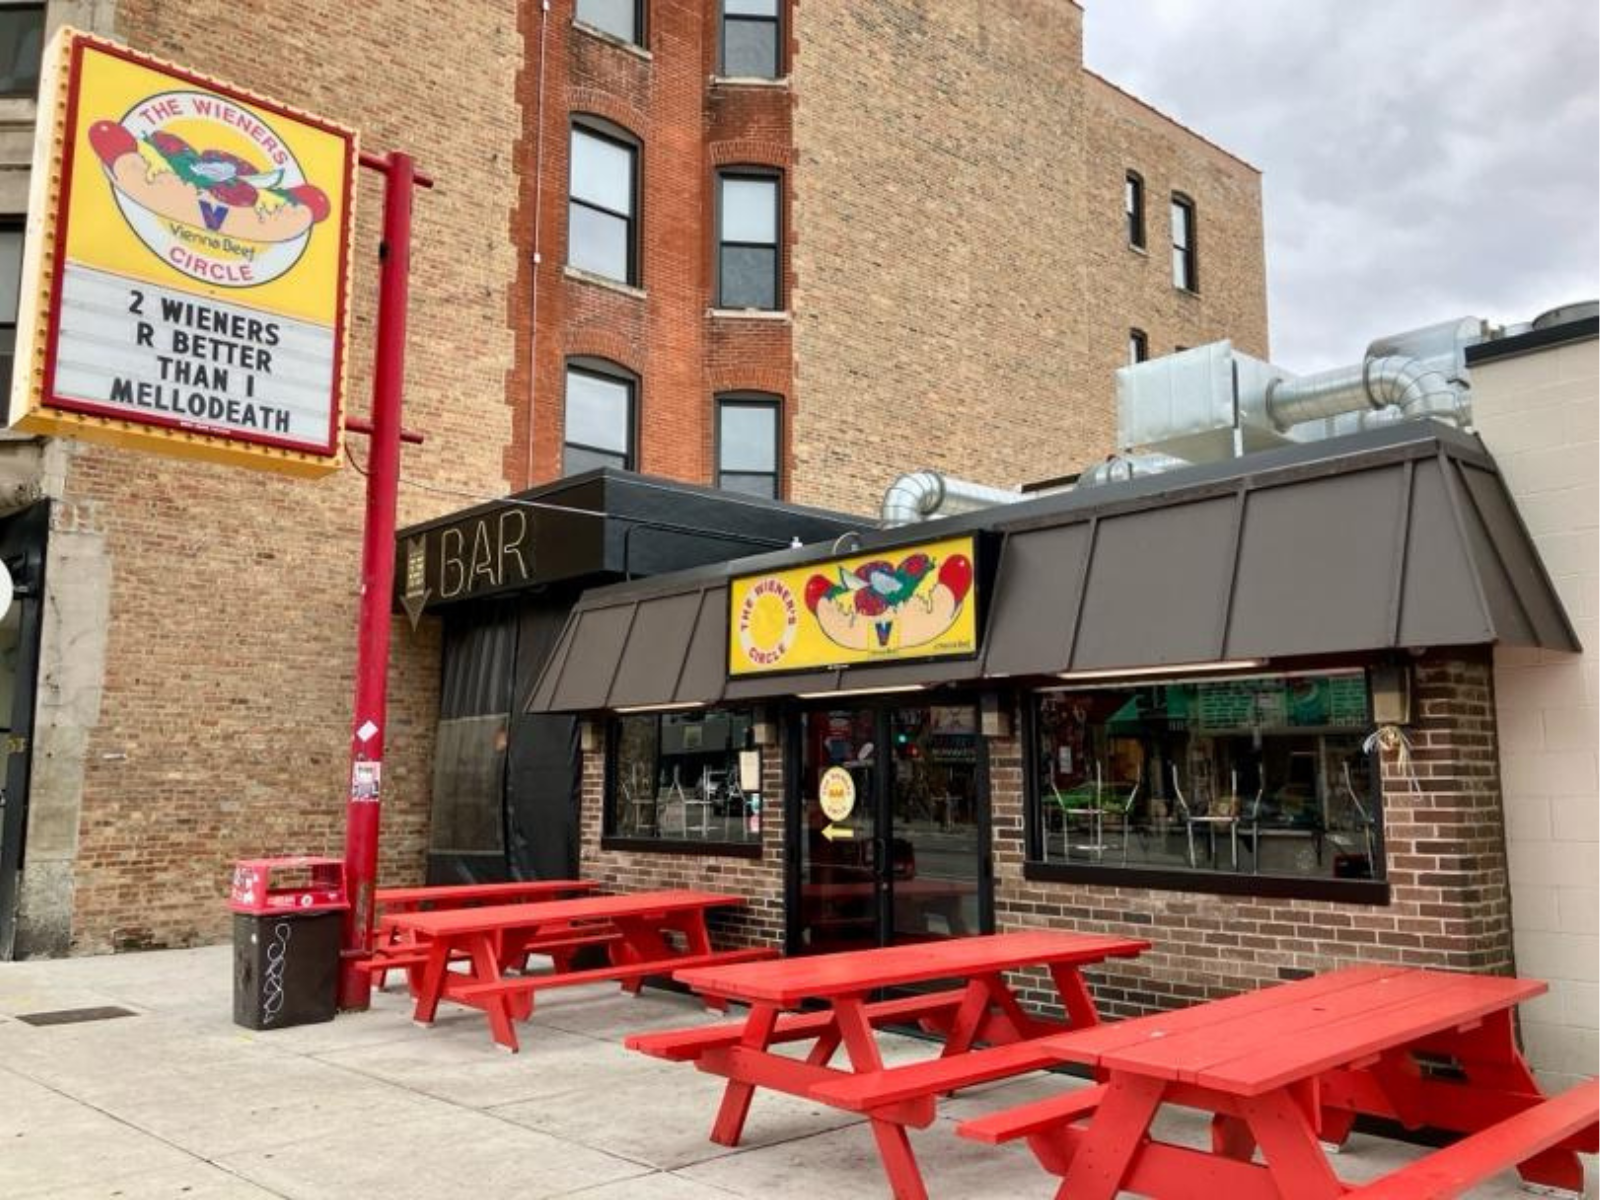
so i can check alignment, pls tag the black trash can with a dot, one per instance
(286, 941)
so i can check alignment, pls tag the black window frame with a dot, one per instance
(765, 400)
(607, 131)
(724, 18)
(1374, 891)
(610, 372)
(8, 353)
(752, 174)
(1138, 347)
(29, 92)
(1133, 209)
(639, 30)
(1185, 252)
(611, 838)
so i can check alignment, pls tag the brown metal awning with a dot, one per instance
(1403, 537)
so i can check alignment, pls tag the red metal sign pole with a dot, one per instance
(377, 576)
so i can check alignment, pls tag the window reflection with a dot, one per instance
(1261, 776)
(676, 776)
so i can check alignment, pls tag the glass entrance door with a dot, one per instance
(934, 814)
(890, 828)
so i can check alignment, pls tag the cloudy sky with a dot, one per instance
(1422, 159)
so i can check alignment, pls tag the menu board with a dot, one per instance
(1318, 701)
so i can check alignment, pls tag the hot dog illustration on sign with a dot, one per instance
(881, 605)
(209, 188)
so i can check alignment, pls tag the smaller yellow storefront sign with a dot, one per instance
(911, 603)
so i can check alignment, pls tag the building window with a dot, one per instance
(751, 39)
(676, 777)
(747, 444)
(602, 230)
(600, 417)
(747, 240)
(1133, 205)
(21, 48)
(1138, 347)
(1258, 777)
(10, 289)
(1185, 275)
(620, 18)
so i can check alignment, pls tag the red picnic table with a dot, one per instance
(394, 900)
(1287, 1069)
(392, 952)
(983, 1009)
(645, 933)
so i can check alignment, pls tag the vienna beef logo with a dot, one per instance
(209, 188)
(769, 619)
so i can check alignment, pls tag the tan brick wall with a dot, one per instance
(1539, 415)
(1133, 288)
(1445, 849)
(940, 266)
(964, 286)
(224, 717)
(941, 261)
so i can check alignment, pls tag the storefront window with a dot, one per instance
(684, 777)
(1261, 776)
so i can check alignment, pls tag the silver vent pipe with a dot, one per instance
(1119, 468)
(1416, 389)
(924, 495)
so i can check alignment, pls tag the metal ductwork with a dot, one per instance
(1408, 384)
(1119, 468)
(924, 495)
(1213, 403)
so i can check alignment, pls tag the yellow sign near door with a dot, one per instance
(909, 603)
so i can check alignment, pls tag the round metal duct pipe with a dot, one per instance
(1119, 468)
(923, 495)
(1414, 388)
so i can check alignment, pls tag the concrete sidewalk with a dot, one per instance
(176, 1101)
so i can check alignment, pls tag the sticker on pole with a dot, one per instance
(185, 280)
(366, 781)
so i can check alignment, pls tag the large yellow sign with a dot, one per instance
(914, 602)
(185, 280)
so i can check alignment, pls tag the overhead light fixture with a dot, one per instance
(1200, 668)
(865, 691)
(652, 708)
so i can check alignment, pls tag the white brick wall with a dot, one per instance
(1539, 414)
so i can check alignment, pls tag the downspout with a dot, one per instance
(538, 208)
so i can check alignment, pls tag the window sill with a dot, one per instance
(753, 81)
(748, 314)
(19, 110)
(669, 846)
(1141, 251)
(611, 39)
(601, 281)
(1213, 883)
(1189, 292)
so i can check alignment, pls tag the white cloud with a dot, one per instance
(1421, 159)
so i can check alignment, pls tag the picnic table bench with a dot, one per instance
(646, 934)
(987, 1034)
(392, 950)
(1286, 1071)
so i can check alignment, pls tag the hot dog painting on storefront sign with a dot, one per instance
(185, 280)
(914, 603)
